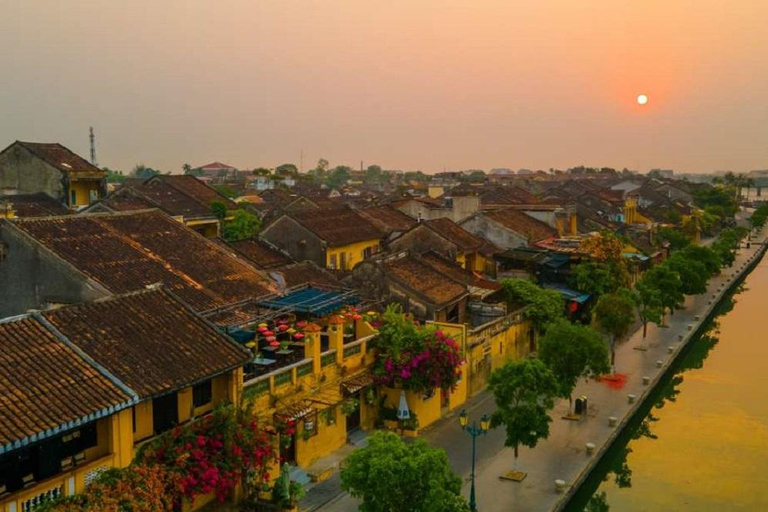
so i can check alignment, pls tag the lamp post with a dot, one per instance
(474, 431)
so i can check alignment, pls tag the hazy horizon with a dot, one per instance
(414, 85)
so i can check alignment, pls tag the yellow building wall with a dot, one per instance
(427, 410)
(144, 427)
(209, 228)
(353, 252)
(459, 395)
(329, 438)
(82, 192)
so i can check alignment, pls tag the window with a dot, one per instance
(93, 195)
(367, 252)
(73, 197)
(332, 264)
(343, 264)
(202, 393)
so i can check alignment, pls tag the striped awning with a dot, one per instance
(356, 383)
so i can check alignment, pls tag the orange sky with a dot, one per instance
(412, 84)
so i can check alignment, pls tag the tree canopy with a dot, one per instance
(244, 225)
(390, 475)
(666, 282)
(648, 304)
(544, 306)
(693, 274)
(524, 392)
(572, 351)
(614, 313)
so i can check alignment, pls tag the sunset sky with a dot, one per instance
(407, 84)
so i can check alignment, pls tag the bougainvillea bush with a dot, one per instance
(414, 357)
(213, 454)
(136, 488)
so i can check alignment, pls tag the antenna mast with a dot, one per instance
(93, 146)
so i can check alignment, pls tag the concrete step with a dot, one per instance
(300, 476)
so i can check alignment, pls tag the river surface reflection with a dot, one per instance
(703, 444)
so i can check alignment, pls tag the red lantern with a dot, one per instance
(573, 306)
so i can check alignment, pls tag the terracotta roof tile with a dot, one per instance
(261, 253)
(463, 239)
(388, 219)
(522, 223)
(126, 252)
(174, 194)
(458, 274)
(424, 279)
(45, 384)
(34, 205)
(307, 272)
(63, 159)
(337, 227)
(149, 340)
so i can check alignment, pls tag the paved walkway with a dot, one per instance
(562, 455)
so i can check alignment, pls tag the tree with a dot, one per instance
(543, 306)
(186, 169)
(225, 190)
(596, 278)
(614, 314)
(390, 475)
(339, 176)
(114, 176)
(524, 392)
(142, 171)
(572, 351)
(219, 209)
(287, 170)
(673, 238)
(648, 305)
(243, 226)
(693, 274)
(666, 282)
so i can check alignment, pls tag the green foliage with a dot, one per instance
(598, 503)
(759, 216)
(392, 476)
(666, 283)
(286, 493)
(704, 255)
(543, 306)
(674, 238)
(615, 314)
(225, 190)
(726, 244)
(339, 176)
(114, 176)
(219, 209)
(721, 201)
(572, 351)
(524, 392)
(693, 274)
(648, 304)
(598, 278)
(243, 226)
(142, 171)
(287, 170)
(414, 357)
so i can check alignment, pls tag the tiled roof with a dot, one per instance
(455, 272)
(45, 384)
(128, 251)
(507, 195)
(423, 279)
(149, 340)
(388, 219)
(214, 166)
(522, 223)
(307, 272)
(337, 227)
(176, 195)
(261, 253)
(463, 239)
(63, 159)
(34, 205)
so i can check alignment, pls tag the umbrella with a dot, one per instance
(403, 413)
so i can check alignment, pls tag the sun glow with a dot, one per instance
(642, 99)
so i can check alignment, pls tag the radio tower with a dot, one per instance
(93, 147)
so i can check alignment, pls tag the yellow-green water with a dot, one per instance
(703, 446)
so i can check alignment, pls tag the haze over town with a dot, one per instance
(427, 85)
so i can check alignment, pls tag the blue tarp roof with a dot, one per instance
(568, 293)
(636, 256)
(312, 300)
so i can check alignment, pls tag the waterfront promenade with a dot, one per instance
(563, 455)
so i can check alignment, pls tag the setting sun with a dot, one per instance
(642, 99)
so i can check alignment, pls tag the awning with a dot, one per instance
(568, 294)
(356, 383)
(312, 300)
(295, 411)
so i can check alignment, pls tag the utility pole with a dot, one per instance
(93, 146)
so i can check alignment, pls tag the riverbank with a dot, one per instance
(563, 456)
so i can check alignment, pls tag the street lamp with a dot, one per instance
(474, 431)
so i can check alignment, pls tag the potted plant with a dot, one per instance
(349, 406)
(286, 493)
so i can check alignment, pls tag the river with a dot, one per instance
(701, 444)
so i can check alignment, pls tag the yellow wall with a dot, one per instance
(329, 438)
(354, 253)
(427, 410)
(209, 228)
(82, 190)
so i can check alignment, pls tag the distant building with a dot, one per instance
(663, 173)
(52, 169)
